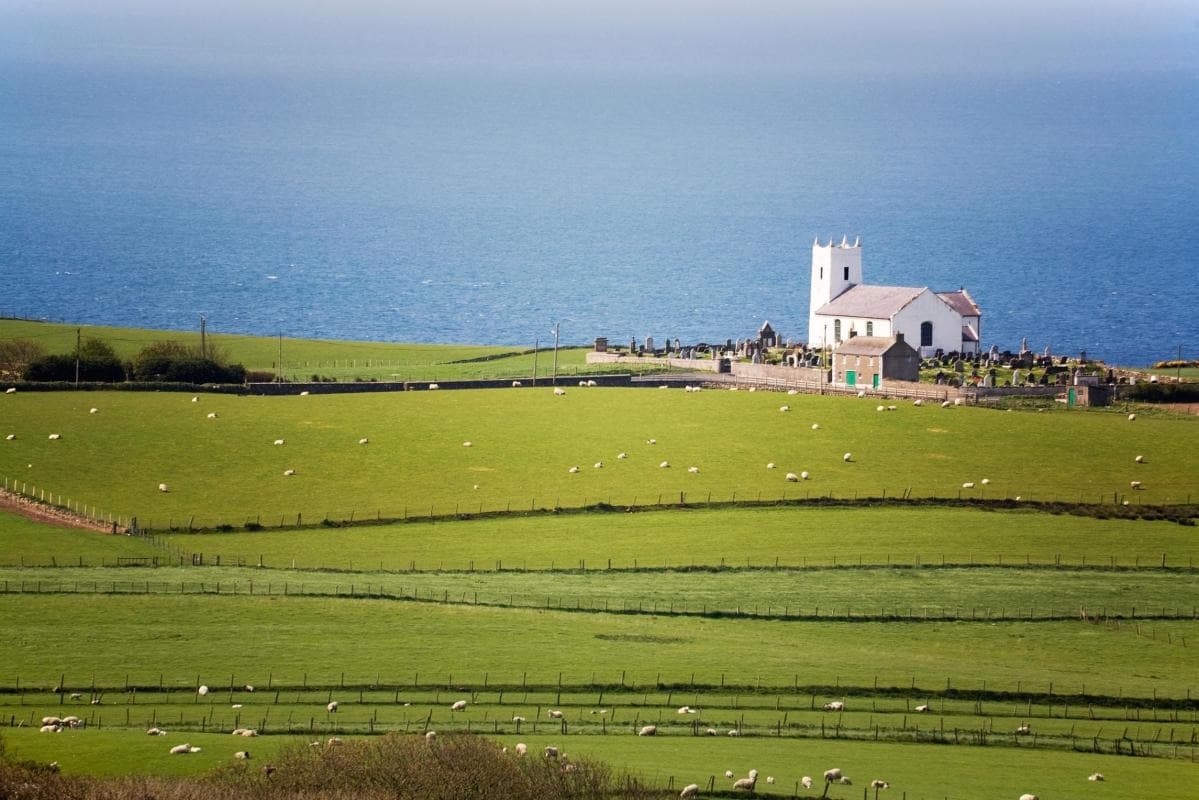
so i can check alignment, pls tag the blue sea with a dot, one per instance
(484, 208)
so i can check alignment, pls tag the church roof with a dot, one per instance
(867, 345)
(961, 302)
(873, 302)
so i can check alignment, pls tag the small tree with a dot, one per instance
(16, 355)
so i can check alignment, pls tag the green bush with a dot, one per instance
(62, 368)
(1164, 393)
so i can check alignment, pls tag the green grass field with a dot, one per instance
(524, 442)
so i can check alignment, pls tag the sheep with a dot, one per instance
(54, 437)
(651, 441)
(957, 401)
(693, 470)
(304, 393)
(1095, 777)
(892, 408)
(622, 456)
(728, 773)
(559, 392)
(517, 384)
(243, 755)
(156, 732)
(985, 481)
(648, 730)
(203, 690)
(946, 404)
(1135, 484)
(792, 477)
(180, 749)
(687, 710)
(518, 719)
(11, 390)
(753, 388)
(468, 444)
(364, 440)
(784, 409)
(93, 411)
(1024, 729)
(162, 487)
(881, 408)
(332, 707)
(333, 741)
(770, 779)
(236, 705)
(51, 720)
(918, 402)
(815, 426)
(76, 695)
(554, 713)
(835, 705)
(806, 781)
(747, 783)
(845, 781)
(51, 729)
(861, 393)
(968, 485)
(711, 732)
(793, 392)
(1139, 459)
(521, 748)
(1029, 797)
(551, 751)
(689, 791)
(11, 437)
(434, 386)
(459, 705)
(832, 775)
(770, 465)
(805, 475)
(734, 732)
(212, 415)
(921, 709)
(573, 469)
(592, 383)
(430, 737)
(847, 457)
(1132, 417)
(599, 465)
(582, 383)
(877, 784)
(289, 472)
(664, 465)
(279, 442)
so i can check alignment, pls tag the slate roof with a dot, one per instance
(865, 346)
(961, 302)
(873, 302)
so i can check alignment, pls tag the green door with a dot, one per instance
(1071, 397)
(851, 377)
(876, 380)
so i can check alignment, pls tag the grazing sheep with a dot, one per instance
(11, 390)
(459, 705)
(918, 402)
(784, 409)
(1132, 417)
(734, 732)
(1135, 484)
(845, 781)
(430, 737)
(805, 475)
(554, 713)
(957, 401)
(582, 383)
(243, 755)
(968, 485)
(921, 709)
(592, 383)
(770, 779)
(559, 392)
(599, 465)
(51, 729)
(728, 773)
(289, 472)
(664, 465)
(881, 408)
(1023, 729)
(832, 775)
(847, 457)
(877, 784)
(747, 783)
(1095, 777)
(861, 393)
(753, 388)
(279, 442)
(770, 465)
(815, 426)
(792, 477)
(651, 441)
(521, 748)
(891, 408)
(11, 437)
(162, 487)
(1139, 459)
(687, 710)
(693, 470)
(468, 444)
(573, 469)
(551, 751)
(1029, 797)
(156, 732)
(690, 790)
(364, 440)
(806, 781)
(203, 690)
(517, 384)
(304, 393)
(76, 695)
(711, 732)
(332, 707)
(648, 730)
(93, 411)
(622, 456)
(51, 720)
(946, 404)
(237, 705)
(835, 705)
(333, 741)
(793, 392)
(54, 437)
(180, 749)
(985, 481)
(518, 719)
(434, 386)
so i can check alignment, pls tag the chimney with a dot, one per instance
(899, 338)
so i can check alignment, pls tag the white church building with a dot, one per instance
(842, 306)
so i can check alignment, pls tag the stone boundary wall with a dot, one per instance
(694, 364)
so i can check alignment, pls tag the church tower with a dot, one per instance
(835, 268)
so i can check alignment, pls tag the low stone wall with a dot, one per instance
(693, 364)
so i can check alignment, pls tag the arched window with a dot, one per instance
(836, 330)
(926, 334)
(869, 328)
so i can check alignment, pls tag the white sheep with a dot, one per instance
(747, 783)
(1024, 729)
(279, 442)
(51, 729)
(792, 477)
(212, 415)
(957, 401)
(517, 384)
(734, 732)
(985, 481)
(289, 472)
(554, 713)
(687, 710)
(51, 720)
(243, 755)
(921, 709)
(753, 388)
(946, 404)
(815, 426)
(845, 781)
(891, 408)
(728, 773)
(599, 465)
(459, 705)
(364, 440)
(573, 469)
(434, 386)
(793, 392)
(551, 751)
(521, 748)
(835, 705)
(582, 383)
(1139, 459)
(664, 465)
(333, 741)
(559, 392)
(770, 465)
(162, 487)
(1095, 777)
(518, 719)
(806, 781)
(693, 470)
(881, 408)
(784, 409)
(1135, 484)
(712, 732)
(430, 737)
(592, 383)
(805, 475)
(72, 722)
(832, 775)
(1029, 797)
(918, 402)
(648, 730)
(332, 707)
(304, 393)
(156, 732)
(11, 437)
(180, 749)
(1132, 417)
(861, 393)
(878, 783)
(770, 779)
(651, 441)
(236, 705)
(847, 457)
(622, 456)
(689, 791)
(968, 485)
(203, 690)
(54, 437)
(93, 411)
(195, 399)
(11, 390)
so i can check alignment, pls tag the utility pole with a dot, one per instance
(557, 325)
(280, 370)
(536, 343)
(203, 341)
(77, 347)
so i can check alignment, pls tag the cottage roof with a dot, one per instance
(961, 302)
(866, 345)
(872, 302)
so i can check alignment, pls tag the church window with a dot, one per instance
(926, 334)
(836, 330)
(869, 328)
(846, 273)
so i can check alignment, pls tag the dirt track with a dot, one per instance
(40, 512)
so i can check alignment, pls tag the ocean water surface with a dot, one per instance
(455, 207)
